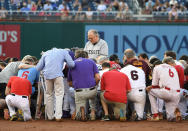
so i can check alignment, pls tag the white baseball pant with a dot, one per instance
(183, 102)
(66, 105)
(170, 97)
(138, 97)
(19, 102)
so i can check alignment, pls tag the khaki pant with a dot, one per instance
(82, 97)
(54, 86)
(116, 106)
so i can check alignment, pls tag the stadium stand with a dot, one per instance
(142, 9)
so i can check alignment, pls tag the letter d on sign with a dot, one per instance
(3, 36)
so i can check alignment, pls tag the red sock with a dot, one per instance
(155, 115)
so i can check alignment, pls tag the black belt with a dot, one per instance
(79, 90)
(21, 96)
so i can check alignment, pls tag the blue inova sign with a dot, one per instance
(151, 39)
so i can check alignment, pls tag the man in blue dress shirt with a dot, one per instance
(52, 62)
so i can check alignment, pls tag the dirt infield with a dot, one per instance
(69, 125)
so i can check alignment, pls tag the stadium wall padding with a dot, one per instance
(37, 37)
(42, 36)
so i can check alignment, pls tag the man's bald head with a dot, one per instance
(129, 53)
(93, 36)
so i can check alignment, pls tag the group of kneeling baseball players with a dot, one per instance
(70, 84)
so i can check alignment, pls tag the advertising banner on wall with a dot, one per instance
(9, 41)
(150, 39)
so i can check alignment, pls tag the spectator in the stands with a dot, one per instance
(116, 5)
(89, 14)
(33, 6)
(158, 6)
(173, 13)
(107, 2)
(173, 2)
(122, 3)
(39, 5)
(150, 3)
(64, 11)
(25, 9)
(76, 5)
(110, 8)
(3, 13)
(62, 6)
(147, 10)
(121, 14)
(15, 2)
(29, 4)
(48, 6)
(80, 15)
(85, 4)
(167, 6)
(101, 6)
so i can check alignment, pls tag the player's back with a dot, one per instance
(31, 74)
(136, 76)
(167, 75)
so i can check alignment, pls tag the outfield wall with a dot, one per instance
(152, 38)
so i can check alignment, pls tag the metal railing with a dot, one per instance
(85, 16)
(66, 16)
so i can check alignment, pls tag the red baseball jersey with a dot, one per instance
(115, 85)
(20, 86)
(180, 71)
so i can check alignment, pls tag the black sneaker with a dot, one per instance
(13, 117)
(105, 118)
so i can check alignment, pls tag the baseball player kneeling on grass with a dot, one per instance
(169, 91)
(18, 93)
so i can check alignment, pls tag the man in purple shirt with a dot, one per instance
(84, 77)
